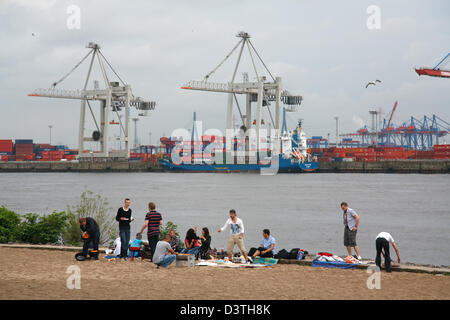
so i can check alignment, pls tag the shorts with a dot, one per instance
(235, 240)
(350, 237)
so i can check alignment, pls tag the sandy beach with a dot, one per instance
(41, 274)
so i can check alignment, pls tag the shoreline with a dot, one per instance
(403, 267)
(388, 166)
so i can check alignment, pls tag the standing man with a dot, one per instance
(91, 234)
(382, 244)
(124, 217)
(351, 223)
(153, 220)
(161, 258)
(236, 235)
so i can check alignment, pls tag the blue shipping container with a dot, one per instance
(24, 141)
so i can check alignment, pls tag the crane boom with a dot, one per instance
(392, 114)
(436, 71)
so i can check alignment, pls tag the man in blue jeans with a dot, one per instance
(160, 257)
(124, 218)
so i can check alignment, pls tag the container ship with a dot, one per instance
(203, 156)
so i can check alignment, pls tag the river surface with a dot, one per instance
(301, 210)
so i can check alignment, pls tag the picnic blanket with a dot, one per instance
(223, 264)
(112, 258)
(265, 261)
(333, 264)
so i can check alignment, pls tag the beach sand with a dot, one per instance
(41, 274)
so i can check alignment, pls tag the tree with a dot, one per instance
(43, 229)
(9, 225)
(166, 229)
(94, 206)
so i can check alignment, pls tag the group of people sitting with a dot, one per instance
(196, 245)
(163, 252)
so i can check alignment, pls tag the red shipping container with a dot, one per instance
(6, 146)
(441, 147)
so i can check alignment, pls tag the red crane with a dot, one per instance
(392, 114)
(436, 71)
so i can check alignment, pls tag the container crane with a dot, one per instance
(392, 114)
(262, 92)
(437, 71)
(114, 99)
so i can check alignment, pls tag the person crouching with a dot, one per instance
(160, 257)
(91, 235)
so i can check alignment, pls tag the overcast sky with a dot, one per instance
(322, 50)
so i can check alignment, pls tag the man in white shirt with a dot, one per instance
(236, 234)
(382, 244)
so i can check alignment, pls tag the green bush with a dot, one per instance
(166, 229)
(43, 229)
(94, 206)
(9, 225)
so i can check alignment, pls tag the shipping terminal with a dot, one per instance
(259, 143)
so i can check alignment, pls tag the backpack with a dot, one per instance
(282, 254)
(293, 254)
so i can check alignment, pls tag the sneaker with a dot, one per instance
(359, 258)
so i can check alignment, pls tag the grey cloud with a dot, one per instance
(322, 50)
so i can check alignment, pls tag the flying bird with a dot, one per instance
(373, 83)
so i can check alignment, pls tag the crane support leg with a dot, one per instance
(277, 104)
(230, 111)
(258, 113)
(82, 125)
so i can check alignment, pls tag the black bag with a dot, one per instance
(293, 254)
(282, 254)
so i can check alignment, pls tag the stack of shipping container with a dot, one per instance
(380, 153)
(441, 151)
(24, 150)
(6, 149)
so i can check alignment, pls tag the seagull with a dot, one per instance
(33, 34)
(373, 83)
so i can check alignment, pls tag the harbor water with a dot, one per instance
(301, 210)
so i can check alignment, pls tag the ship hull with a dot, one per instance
(284, 166)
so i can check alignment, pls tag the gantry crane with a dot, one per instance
(412, 134)
(114, 99)
(437, 71)
(262, 92)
